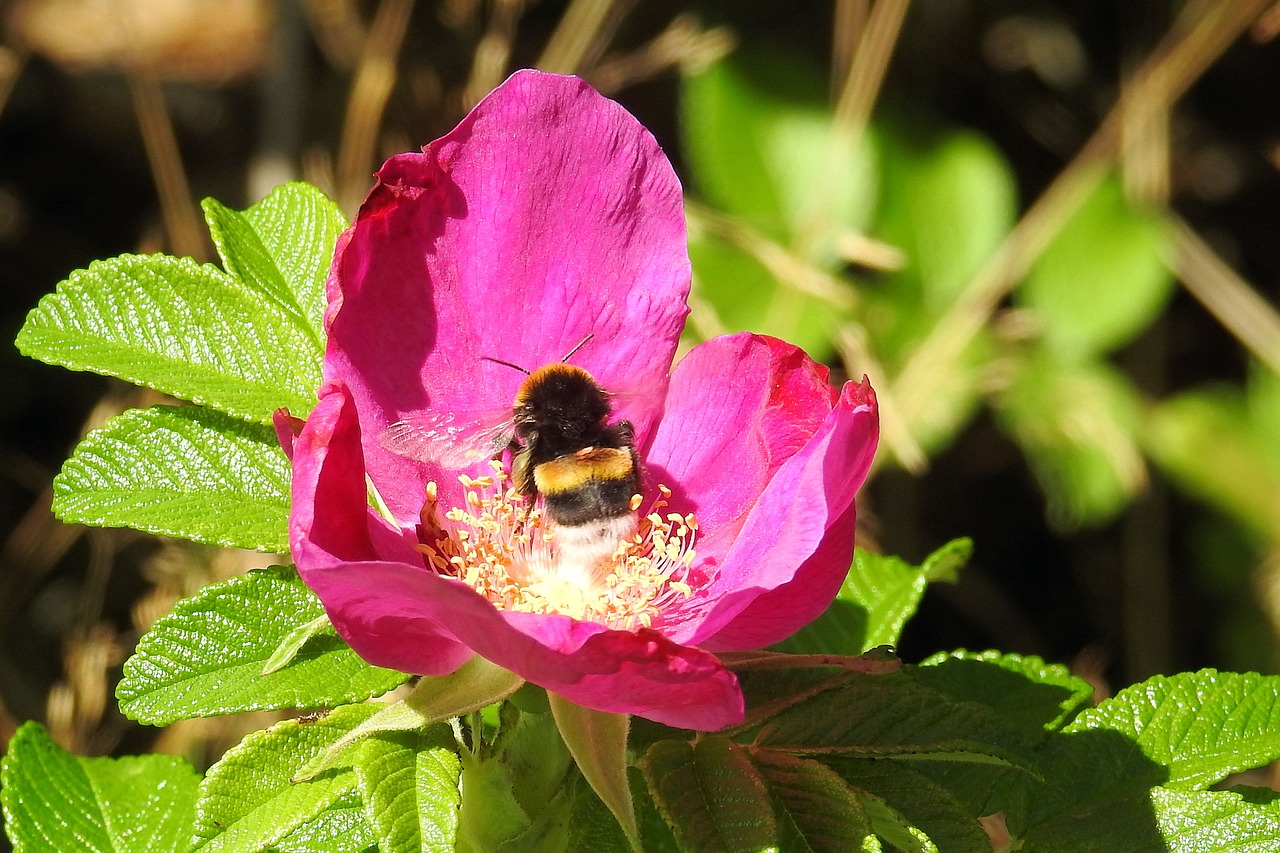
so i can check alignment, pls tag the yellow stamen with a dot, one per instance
(506, 550)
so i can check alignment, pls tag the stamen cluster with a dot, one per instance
(504, 548)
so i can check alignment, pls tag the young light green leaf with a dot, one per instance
(1102, 278)
(409, 783)
(1078, 425)
(188, 472)
(54, 800)
(878, 596)
(293, 642)
(341, 828)
(490, 816)
(947, 200)
(816, 803)
(206, 657)
(1034, 696)
(711, 795)
(186, 329)
(762, 144)
(281, 248)
(1200, 726)
(248, 801)
(1214, 821)
(1210, 443)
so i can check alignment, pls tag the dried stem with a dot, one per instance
(1226, 295)
(1204, 32)
(375, 78)
(182, 223)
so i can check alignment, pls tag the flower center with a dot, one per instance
(621, 572)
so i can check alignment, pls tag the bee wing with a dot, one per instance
(450, 439)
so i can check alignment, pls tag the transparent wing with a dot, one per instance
(450, 439)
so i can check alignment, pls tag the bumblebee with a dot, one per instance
(584, 467)
(563, 448)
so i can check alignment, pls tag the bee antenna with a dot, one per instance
(506, 363)
(580, 345)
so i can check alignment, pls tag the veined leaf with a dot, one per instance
(206, 657)
(188, 472)
(818, 805)
(54, 800)
(248, 801)
(711, 795)
(1200, 726)
(1034, 696)
(246, 341)
(409, 783)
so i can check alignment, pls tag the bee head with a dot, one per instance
(562, 399)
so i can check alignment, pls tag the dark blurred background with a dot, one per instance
(1046, 230)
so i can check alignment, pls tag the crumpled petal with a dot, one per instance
(548, 214)
(398, 614)
(795, 535)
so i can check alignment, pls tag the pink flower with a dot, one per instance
(547, 216)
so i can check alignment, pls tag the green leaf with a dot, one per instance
(248, 800)
(759, 137)
(910, 811)
(490, 815)
(206, 657)
(878, 596)
(54, 800)
(894, 716)
(282, 247)
(1078, 425)
(188, 472)
(711, 795)
(409, 782)
(341, 828)
(179, 327)
(816, 804)
(1213, 821)
(246, 341)
(1102, 278)
(1200, 726)
(1209, 443)
(1033, 696)
(947, 201)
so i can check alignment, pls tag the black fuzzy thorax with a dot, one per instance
(561, 411)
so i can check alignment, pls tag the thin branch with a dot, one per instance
(1227, 296)
(375, 78)
(182, 223)
(1205, 30)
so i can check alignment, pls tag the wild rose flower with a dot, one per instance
(547, 216)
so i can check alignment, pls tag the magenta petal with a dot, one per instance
(547, 215)
(796, 545)
(392, 614)
(738, 407)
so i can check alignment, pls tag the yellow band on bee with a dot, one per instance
(566, 473)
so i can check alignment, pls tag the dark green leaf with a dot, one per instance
(1031, 695)
(711, 796)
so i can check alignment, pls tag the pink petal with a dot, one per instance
(391, 612)
(796, 544)
(547, 215)
(331, 524)
(737, 408)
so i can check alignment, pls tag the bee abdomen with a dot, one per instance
(592, 484)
